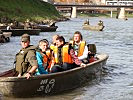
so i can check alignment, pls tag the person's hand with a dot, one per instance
(19, 75)
(28, 75)
(89, 52)
(83, 65)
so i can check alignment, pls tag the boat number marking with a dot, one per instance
(46, 85)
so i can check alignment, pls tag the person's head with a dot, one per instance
(77, 37)
(25, 40)
(11, 24)
(27, 20)
(60, 41)
(43, 44)
(54, 38)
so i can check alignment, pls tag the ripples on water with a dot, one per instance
(116, 40)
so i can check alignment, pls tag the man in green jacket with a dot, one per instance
(26, 62)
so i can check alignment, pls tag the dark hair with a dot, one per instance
(60, 38)
(44, 40)
(77, 32)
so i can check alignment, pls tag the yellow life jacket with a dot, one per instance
(66, 58)
(81, 47)
(52, 47)
(71, 42)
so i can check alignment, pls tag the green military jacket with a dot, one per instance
(25, 59)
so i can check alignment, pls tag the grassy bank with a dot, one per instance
(20, 10)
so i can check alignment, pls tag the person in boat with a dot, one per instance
(27, 24)
(44, 57)
(86, 22)
(91, 53)
(26, 62)
(64, 56)
(52, 24)
(2, 37)
(100, 23)
(79, 46)
(53, 41)
(9, 27)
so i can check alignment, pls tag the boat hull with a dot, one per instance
(51, 83)
(19, 32)
(5, 37)
(94, 28)
(46, 28)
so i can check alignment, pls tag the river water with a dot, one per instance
(116, 40)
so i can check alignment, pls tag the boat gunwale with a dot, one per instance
(92, 27)
(100, 59)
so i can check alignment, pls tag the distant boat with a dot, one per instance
(5, 37)
(19, 32)
(52, 83)
(45, 28)
(98, 27)
(94, 28)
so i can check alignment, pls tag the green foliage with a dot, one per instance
(27, 9)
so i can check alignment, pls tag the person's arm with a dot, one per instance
(40, 63)
(31, 56)
(52, 64)
(85, 54)
(75, 59)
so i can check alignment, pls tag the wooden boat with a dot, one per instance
(48, 84)
(45, 28)
(94, 28)
(5, 37)
(4, 27)
(19, 32)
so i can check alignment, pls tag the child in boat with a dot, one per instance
(79, 46)
(43, 55)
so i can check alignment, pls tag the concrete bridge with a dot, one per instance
(84, 6)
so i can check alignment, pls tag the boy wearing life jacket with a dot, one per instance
(43, 55)
(64, 56)
(26, 62)
(79, 46)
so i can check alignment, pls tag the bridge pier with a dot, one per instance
(121, 13)
(74, 12)
(111, 13)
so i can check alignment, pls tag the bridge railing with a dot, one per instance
(128, 3)
(76, 3)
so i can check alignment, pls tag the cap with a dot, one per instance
(25, 38)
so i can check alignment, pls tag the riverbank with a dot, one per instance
(34, 10)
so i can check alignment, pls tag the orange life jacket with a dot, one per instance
(81, 47)
(66, 57)
(47, 58)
